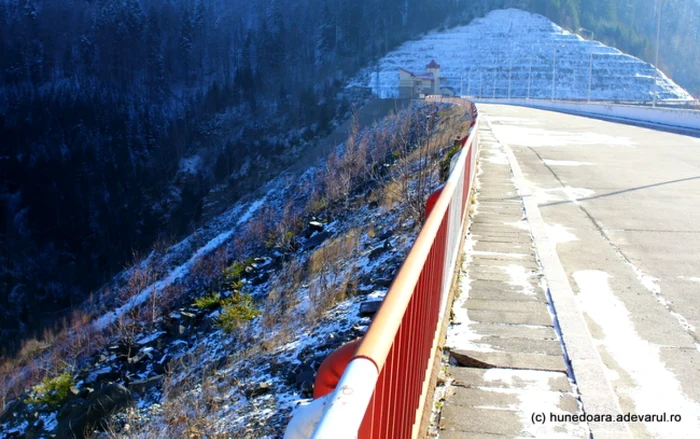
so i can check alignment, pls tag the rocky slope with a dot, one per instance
(516, 53)
(224, 338)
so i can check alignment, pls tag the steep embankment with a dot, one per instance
(518, 54)
(228, 337)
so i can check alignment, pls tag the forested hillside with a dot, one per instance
(117, 118)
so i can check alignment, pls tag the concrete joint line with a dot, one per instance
(597, 394)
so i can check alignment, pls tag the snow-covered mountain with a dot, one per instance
(517, 53)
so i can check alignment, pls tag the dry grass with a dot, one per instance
(283, 234)
(207, 270)
(331, 254)
(325, 274)
(282, 299)
(67, 346)
(414, 174)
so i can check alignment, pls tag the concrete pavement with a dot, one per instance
(507, 362)
(620, 206)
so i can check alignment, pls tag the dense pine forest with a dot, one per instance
(118, 118)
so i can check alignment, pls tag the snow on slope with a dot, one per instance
(521, 51)
(180, 271)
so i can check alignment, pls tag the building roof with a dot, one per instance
(425, 75)
(433, 65)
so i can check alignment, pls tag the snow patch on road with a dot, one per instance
(508, 120)
(515, 135)
(690, 278)
(519, 277)
(521, 225)
(507, 255)
(565, 163)
(535, 396)
(559, 234)
(459, 334)
(559, 194)
(497, 157)
(652, 285)
(658, 390)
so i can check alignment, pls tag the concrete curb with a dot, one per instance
(597, 395)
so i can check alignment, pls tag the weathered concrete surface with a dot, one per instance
(507, 362)
(628, 202)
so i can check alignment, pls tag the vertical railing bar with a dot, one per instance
(399, 398)
(391, 406)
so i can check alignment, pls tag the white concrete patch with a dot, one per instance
(559, 234)
(565, 163)
(658, 390)
(535, 397)
(519, 277)
(515, 135)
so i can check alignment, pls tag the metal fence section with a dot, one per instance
(382, 392)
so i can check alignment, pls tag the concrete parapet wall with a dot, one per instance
(670, 117)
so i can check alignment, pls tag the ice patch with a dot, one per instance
(565, 163)
(559, 234)
(657, 389)
(508, 377)
(508, 120)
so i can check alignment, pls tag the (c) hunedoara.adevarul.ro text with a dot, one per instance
(542, 418)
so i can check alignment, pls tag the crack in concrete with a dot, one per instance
(643, 278)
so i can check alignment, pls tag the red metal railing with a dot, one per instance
(385, 387)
